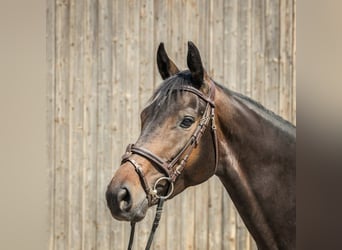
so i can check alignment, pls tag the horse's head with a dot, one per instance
(174, 150)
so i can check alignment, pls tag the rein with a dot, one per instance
(171, 169)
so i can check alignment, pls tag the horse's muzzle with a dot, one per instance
(118, 199)
(120, 202)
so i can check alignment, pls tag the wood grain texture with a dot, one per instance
(101, 72)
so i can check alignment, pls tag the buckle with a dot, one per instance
(170, 190)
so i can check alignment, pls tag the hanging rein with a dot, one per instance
(174, 168)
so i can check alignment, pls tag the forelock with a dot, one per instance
(171, 84)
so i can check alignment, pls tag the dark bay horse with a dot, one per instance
(193, 128)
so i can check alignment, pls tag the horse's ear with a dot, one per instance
(165, 66)
(195, 65)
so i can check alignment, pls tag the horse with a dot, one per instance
(193, 128)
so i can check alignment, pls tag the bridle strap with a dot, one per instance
(155, 224)
(197, 92)
(214, 136)
(162, 165)
(131, 236)
(151, 194)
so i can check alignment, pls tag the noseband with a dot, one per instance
(172, 169)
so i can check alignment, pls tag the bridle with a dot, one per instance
(172, 169)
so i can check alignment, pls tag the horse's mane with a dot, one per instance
(275, 119)
(183, 78)
(172, 83)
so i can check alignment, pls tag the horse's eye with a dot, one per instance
(187, 122)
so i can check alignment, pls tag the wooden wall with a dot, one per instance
(101, 71)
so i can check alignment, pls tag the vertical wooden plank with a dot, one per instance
(187, 222)
(217, 63)
(115, 110)
(175, 37)
(210, 37)
(224, 221)
(69, 181)
(231, 44)
(244, 35)
(203, 32)
(132, 93)
(286, 59)
(147, 50)
(192, 29)
(118, 236)
(104, 90)
(272, 55)
(62, 127)
(249, 52)
(50, 115)
(132, 68)
(161, 31)
(89, 196)
(284, 90)
(75, 125)
(258, 49)
(201, 217)
(293, 68)
(214, 214)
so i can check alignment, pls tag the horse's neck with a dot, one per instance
(250, 165)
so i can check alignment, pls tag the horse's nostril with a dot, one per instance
(124, 199)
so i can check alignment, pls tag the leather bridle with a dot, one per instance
(172, 169)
